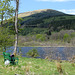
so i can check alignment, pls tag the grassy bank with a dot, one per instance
(64, 38)
(51, 43)
(48, 43)
(35, 67)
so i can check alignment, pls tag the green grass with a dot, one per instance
(35, 67)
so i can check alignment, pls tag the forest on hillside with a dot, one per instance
(44, 26)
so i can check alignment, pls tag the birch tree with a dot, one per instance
(16, 27)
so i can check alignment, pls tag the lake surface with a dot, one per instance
(63, 53)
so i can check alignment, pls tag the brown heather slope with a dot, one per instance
(38, 11)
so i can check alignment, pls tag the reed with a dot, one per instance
(59, 68)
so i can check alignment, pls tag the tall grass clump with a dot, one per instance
(33, 53)
(73, 61)
(59, 68)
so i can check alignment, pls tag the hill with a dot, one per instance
(45, 20)
(45, 17)
(38, 17)
(50, 11)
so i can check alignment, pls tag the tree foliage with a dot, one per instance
(5, 38)
(6, 10)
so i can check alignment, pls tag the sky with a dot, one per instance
(66, 6)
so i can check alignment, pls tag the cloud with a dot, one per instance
(71, 11)
(56, 0)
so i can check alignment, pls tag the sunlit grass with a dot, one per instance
(34, 66)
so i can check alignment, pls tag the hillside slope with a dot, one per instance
(50, 11)
(47, 18)
(44, 20)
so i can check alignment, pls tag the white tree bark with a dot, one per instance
(16, 29)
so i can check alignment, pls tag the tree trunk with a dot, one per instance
(16, 29)
(1, 19)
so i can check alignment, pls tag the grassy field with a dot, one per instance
(32, 66)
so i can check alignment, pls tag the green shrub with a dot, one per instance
(40, 37)
(67, 37)
(6, 39)
(32, 53)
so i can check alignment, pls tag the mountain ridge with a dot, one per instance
(29, 13)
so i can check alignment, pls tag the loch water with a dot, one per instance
(64, 53)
